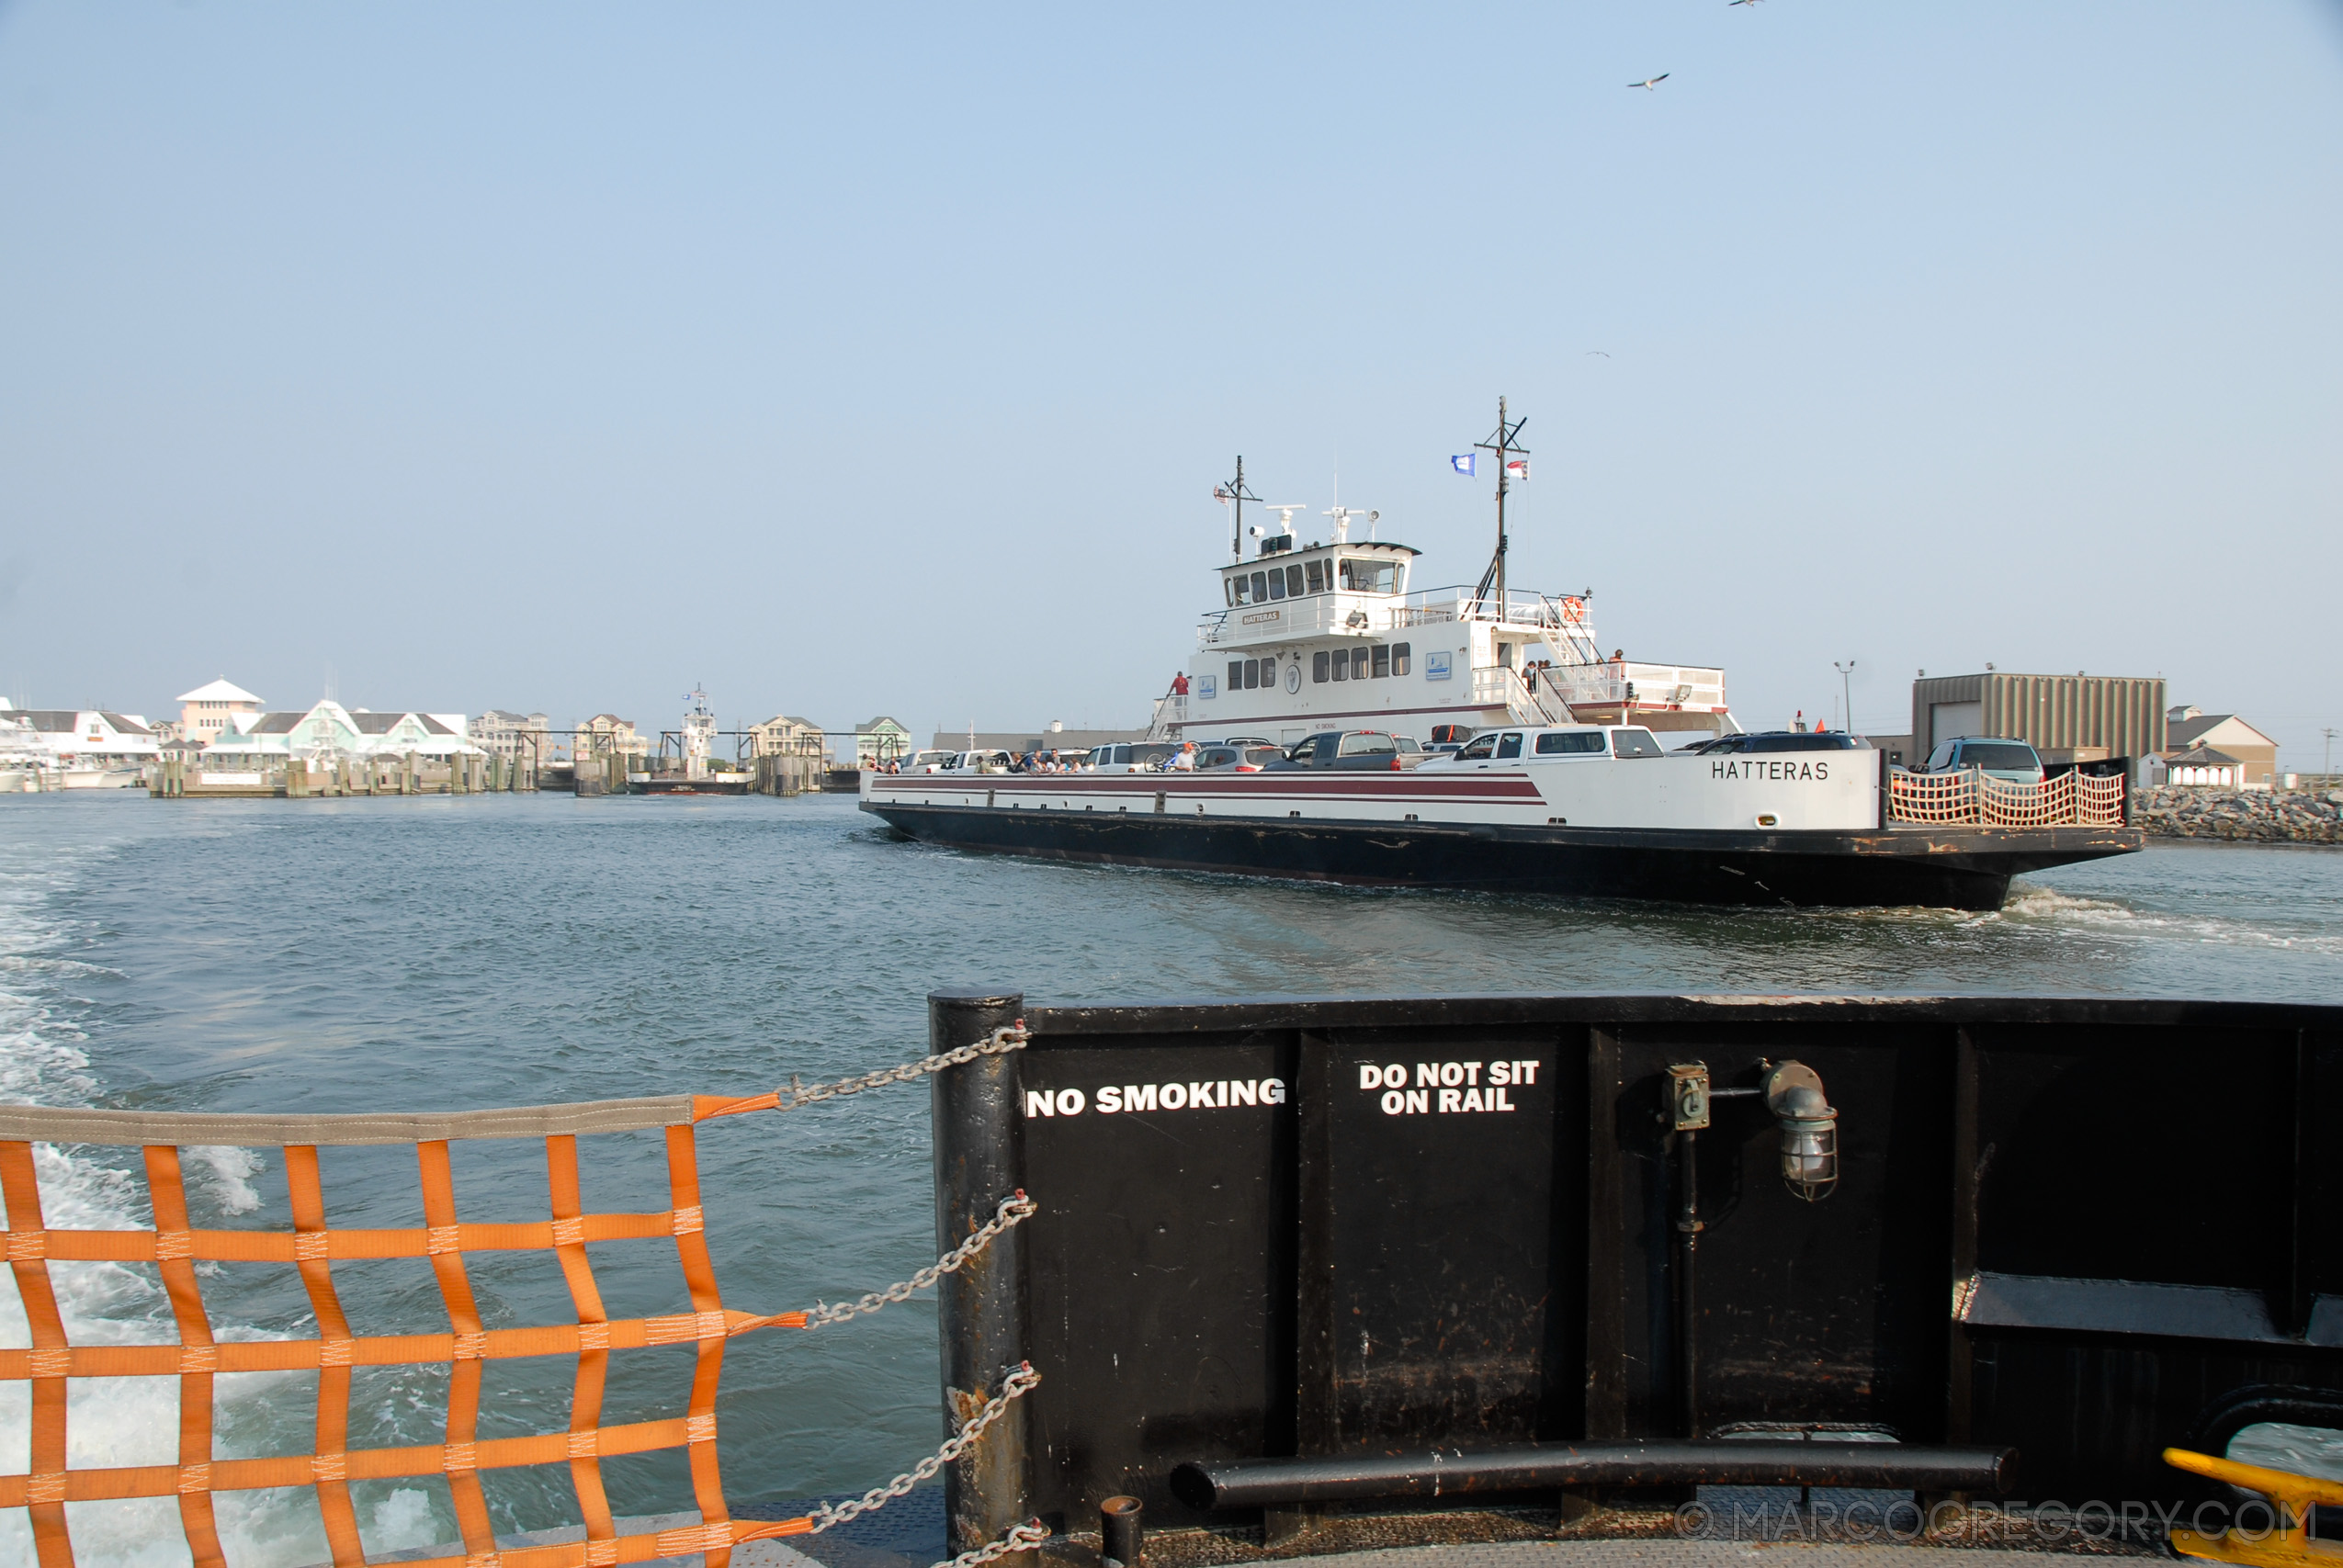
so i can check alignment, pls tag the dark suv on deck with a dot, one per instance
(1782, 740)
(1353, 749)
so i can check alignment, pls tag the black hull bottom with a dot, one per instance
(690, 786)
(1949, 868)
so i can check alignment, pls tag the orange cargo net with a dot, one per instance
(1969, 798)
(313, 1247)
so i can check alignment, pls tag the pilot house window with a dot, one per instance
(1317, 577)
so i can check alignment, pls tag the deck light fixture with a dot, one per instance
(1809, 1130)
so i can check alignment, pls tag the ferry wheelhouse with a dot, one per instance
(1333, 636)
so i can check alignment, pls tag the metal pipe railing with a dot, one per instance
(1533, 1467)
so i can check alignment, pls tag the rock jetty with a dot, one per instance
(2245, 816)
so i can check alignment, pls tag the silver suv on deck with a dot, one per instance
(2002, 759)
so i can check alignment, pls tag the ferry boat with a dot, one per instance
(1574, 792)
(698, 772)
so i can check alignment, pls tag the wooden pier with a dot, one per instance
(412, 774)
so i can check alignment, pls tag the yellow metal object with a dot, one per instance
(2288, 1544)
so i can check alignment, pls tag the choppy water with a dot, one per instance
(340, 955)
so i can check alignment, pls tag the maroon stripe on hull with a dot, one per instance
(1354, 786)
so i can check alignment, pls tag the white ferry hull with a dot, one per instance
(1660, 828)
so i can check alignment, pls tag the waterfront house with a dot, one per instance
(87, 736)
(330, 731)
(782, 736)
(2254, 754)
(207, 710)
(606, 733)
(880, 740)
(522, 739)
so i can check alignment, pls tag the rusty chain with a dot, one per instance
(1021, 1538)
(1019, 1382)
(1011, 1037)
(1013, 1212)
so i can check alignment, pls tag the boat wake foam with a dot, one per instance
(125, 1421)
(2104, 916)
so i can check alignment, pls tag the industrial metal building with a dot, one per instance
(2067, 718)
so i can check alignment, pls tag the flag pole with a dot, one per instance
(1504, 446)
(1502, 441)
(1235, 491)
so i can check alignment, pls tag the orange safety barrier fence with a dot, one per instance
(313, 1247)
(1973, 799)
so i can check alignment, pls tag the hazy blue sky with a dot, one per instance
(881, 359)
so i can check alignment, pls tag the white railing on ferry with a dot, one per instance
(1373, 615)
(1494, 687)
(1313, 614)
(1432, 606)
(1609, 684)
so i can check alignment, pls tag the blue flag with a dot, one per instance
(1463, 465)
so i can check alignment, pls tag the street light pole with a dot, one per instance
(1845, 690)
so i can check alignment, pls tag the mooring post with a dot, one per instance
(979, 1159)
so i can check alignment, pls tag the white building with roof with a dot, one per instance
(67, 738)
(207, 710)
(519, 738)
(328, 731)
(881, 740)
(2252, 754)
(783, 736)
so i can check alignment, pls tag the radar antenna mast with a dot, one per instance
(1504, 446)
(1235, 491)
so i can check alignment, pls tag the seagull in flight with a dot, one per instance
(1594, 352)
(1730, 4)
(1650, 81)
